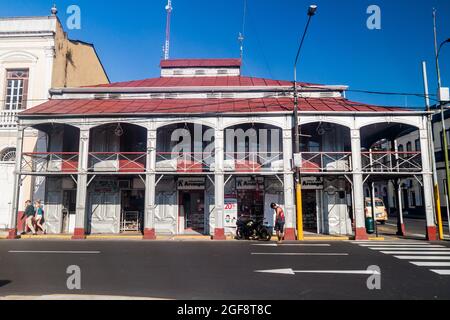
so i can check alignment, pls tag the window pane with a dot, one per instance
(16, 86)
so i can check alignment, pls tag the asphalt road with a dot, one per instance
(222, 270)
(415, 228)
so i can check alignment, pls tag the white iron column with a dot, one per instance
(82, 181)
(289, 207)
(219, 185)
(358, 187)
(150, 187)
(427, 186)
(401, 230)
(12, 234)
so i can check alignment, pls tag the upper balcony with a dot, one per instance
(391, 162)
(8, 119)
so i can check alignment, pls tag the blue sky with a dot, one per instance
(340, 49)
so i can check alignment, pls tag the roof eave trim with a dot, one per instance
(61, 91)
(359, 113)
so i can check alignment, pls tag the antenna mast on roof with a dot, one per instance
(241, 37)
(167, 43)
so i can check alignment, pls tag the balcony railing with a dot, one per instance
(194, 162)
(253, 162)
(245, 162)
(391, 162)
(8, 119)
(323, 162)
(121, 162)
(51, 162)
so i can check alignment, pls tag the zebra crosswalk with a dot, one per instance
(435, 257)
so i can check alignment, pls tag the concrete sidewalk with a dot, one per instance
(308, 237)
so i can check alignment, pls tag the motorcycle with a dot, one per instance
(249, 229)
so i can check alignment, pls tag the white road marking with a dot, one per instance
(361, 243)
(291, 245)
(293, 272)
(411, 249)
(297, 254)
(402, 245)
(422, 258)
(55, 252)
(442, 272)
(416, 252)
(430, 263)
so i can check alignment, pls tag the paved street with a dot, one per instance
(415, 228)
(227, 270)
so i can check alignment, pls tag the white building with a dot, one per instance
(35, 55)
(412, 193)
(202, 145)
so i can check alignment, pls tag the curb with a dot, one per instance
(65, 297)
(174, 238)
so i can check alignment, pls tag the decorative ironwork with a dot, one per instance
(318, 162)
(391, 162)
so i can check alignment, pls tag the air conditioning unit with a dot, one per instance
(340, 165)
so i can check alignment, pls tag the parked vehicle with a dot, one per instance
(381, 214)
(249, 229)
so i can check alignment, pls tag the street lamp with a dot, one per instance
(298, 189)
(444, 130)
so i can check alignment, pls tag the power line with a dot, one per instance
(419, 95)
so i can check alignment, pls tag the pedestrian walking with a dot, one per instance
(29, 213)
(279, 221)
(39, 216)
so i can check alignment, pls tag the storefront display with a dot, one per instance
(230, 212)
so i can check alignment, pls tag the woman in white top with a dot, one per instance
(39, 216)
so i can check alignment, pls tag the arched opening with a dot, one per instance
(253, 148)
(326, 193)
(116, 192)
(392, 161)
(50, 159)
(8, 155)
(325, 147)
(185, 196)
(185, 148)
(255, 161)
(53, 149)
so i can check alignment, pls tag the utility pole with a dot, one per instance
(437, 199)
(444, 130)
(298, 186)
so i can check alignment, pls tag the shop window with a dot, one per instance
(413, 199)
(409, 147)
(417, 145)
(16, 89)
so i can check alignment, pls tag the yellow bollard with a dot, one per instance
(298, 193)
(438, 211)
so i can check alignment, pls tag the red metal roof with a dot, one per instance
(205, 106)
(234, 81)
(203, 63)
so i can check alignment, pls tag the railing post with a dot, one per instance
(428, 186)
(83, 164)
(150, 187)
(12, 232)
(401, 231)
(358, 186)
(219, 185)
